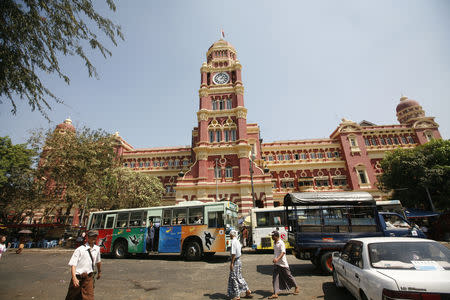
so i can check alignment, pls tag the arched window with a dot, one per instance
(229, 172)
(229, 104)
(211, 136)
(218, 136)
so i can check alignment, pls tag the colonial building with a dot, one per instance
(227, 159)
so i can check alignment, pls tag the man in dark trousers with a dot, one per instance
(82, 267)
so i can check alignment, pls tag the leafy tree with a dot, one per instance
(18, 189)
(81, 169)
(130, 189)
(413, 172)
(34, 33)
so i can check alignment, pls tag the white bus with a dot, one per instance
(263, 222)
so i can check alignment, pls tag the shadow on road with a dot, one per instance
(216, 259)
(257, 294)
(296, 270)
(331, 292)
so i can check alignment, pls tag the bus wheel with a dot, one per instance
(193, 251)
(120, 250)
(326, 262)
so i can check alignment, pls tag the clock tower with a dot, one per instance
(226, 150)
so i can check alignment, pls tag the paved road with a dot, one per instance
(45, 275)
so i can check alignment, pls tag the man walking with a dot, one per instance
(236, 283)
(82, 265)
(282, 278)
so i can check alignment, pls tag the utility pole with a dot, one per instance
(216, 169)
(251, 181)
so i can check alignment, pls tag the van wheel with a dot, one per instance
(193, 251)
(326, 262)
(120, 250)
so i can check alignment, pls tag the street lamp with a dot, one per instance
(216, 174)
(251, 179)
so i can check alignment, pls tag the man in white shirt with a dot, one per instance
(282, 278)
(82, 265)
(236, 283)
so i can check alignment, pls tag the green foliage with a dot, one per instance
(84, 164)
(18, 190)
(34, 33)
(410, 171)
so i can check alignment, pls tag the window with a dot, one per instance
(340, 182)
(195, 215)
(170, 163)
(280, 156)
(355, 257)
(321, 182)
(233, 134)
(270, 158)
(215, 219)
(137, 218)
(309, 220)
(161, 163)
(222, 104)
(156, 163)
(177, 163)
(229, 104)
(217, 172)
(389, 141)
(411, 139)
(122, 220)
(383, 142)
(214, 105)
(305, 183)
(270, 219)
(396, 141)
(147, 164)
(109, 222)
(362, 219)
(296, 156)
(167, 216)
(429, 136)
(374, 141)
(218, 136)
(366, 141)
(229, 172)
(98, 221)
(141, 164)
(227, 135)
(330, 154)
(303, 155)
(362, 176)
(404, 141)
(336, 154)
(132, 164)
(287, 156)
(185, 162)
(319, 155)
(353, 142)
(312, 155)
(211, 136)
(179, 216)
(335, 220)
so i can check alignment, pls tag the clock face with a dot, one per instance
(221, 78)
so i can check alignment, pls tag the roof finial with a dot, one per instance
(222, 33)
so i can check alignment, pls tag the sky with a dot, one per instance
(306, 65)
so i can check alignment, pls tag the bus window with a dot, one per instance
(215, 219)
(362, 219)
(110, 221)
(137, 219)
(262, 219)
(335, 220)
(98, 221)
(195, 215)
(122, 220)
(179, 216)
(309, 220)
(167, 215)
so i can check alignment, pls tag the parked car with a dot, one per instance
(393, 268)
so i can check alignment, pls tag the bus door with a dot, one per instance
(213, 237)
(170, 231)
(153, 216)
(105, 241)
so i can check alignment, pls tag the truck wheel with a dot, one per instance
(326, 262)
(120, 250)
(193, 251)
